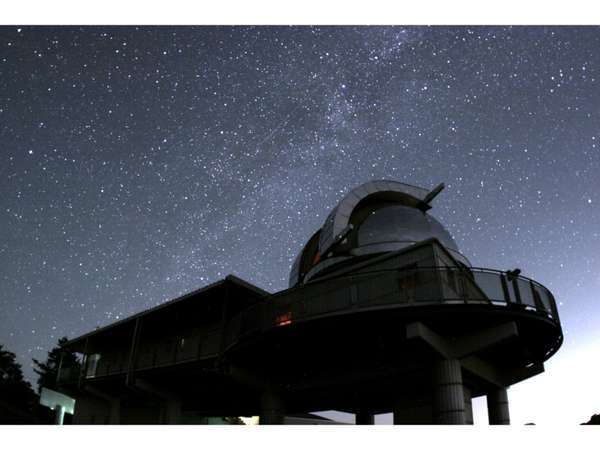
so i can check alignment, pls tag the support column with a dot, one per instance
(172, 411)
(113, 403)
(59, 414)
(497, 403)
(114, 416)
(468, 406)
(448, 393)
(413, 412)
(272, 409)
(364, 418)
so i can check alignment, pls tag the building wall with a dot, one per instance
(91, 411)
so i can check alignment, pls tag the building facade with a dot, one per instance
(383, 314)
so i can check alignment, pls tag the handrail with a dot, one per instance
(431, 285)
(396, 287)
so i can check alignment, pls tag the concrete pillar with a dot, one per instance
(448, 393)
(59, 415)
(468, 406)
(272, 409)
(364, 418)
(497, 402)
(114, 415)
(413, 412)
(112, 405)
(172, 411)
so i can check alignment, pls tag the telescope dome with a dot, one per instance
(376, 217)
(399, 226)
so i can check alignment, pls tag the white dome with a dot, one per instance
(376, 217)
(402, 224)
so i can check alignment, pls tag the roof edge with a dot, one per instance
(229, 278)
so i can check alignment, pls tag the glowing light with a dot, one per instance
(250, 420)
(284, 319)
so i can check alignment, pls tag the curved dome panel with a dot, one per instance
(339, 217)
(402, 224)
(376, 217)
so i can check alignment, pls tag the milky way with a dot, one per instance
(137, 164)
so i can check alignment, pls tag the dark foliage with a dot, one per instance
(48, 370)
(594, 420)
(18, 400)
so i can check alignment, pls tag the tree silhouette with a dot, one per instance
(594, 420)
(17, 398)
(233, 420)
(48, 370)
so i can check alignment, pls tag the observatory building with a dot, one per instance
(383, 314)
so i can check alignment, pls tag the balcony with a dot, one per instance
(394, 288)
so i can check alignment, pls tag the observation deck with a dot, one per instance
(383, 313)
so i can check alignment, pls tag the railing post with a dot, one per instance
(83, 369)
(353, 292)
(536, 298)
(505, 289)
(516, 290)
(132, 352)
(60, 363)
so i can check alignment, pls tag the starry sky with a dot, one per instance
(140, 163)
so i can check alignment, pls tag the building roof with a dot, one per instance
(203, 291)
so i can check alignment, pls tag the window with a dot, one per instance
(92, 364)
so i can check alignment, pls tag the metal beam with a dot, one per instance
(515, 376)
(499, 377)
(433, 193)
(59, 370)
(248, 378)
(483, 370)
(84, 362)
(472, 343)
(435, 341)
(132, 351)
(465, 345)
(150, 388)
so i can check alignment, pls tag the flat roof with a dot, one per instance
(232, 279)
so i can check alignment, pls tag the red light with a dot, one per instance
(283, 319)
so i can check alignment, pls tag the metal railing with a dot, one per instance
(389, 288)
(393, 288)
(68, 373)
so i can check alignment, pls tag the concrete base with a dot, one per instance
(498, 407)
(172, 412)
(416, 412)
(114, 415)
(272, 409)
(364, 418)
(448, 393)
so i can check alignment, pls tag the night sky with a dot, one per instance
(138, 164)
